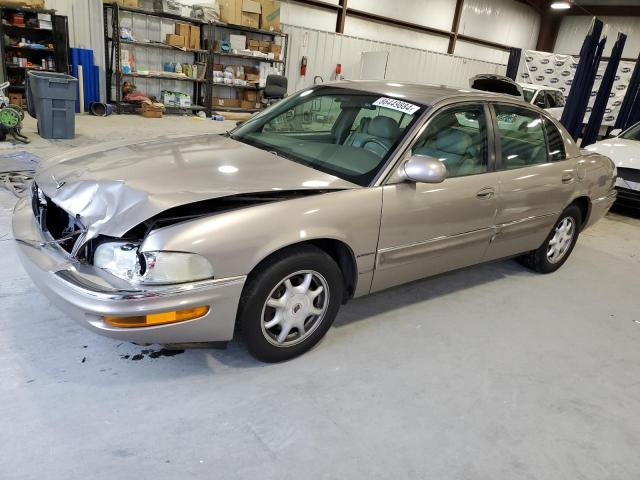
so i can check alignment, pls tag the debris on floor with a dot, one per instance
(17, 170)
(163, 352)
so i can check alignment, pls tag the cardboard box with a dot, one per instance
(253, 44)
(241, 12)
(251, 11)
(250, 95)
(270, 16)
(194, 37)
(16, 99)
(225, 102)
(218, 67)
(252, 77)
(175, 40)
(123, 3)
(231, 11)
(247, 104)
(182, 29)
(152, 110)
(265, 43)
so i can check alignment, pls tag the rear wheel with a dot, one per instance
(558, 245)
(289, 303)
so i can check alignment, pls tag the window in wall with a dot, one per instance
(458, 138)
(521, 137)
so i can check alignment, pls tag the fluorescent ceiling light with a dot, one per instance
(561, 5)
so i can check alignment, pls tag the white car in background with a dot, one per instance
(549, 98)
(624, 150)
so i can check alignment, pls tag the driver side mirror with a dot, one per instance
(423, 169)
(614, 133)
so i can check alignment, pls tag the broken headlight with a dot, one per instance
(123, 260)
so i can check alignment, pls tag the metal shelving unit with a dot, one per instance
(203, 88)
(113, 44)
(57, 35)
(222, 55)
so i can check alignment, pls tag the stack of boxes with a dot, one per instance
(265, 46)
(238, 75)
(259, 48)
(124, 3)
(263, 14)
(185, 36)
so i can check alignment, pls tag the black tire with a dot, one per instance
(538, 260)
(259, 288)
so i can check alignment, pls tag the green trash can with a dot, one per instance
(51, 99)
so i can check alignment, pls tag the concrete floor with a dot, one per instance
(493, 372)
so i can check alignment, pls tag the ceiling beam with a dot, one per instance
(550, 22)
(604, 10)
(319, 4)
(395, 22)
(450, 34)
(455, 26)
(342, 15)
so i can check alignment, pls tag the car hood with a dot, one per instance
(112, 188)
(624, 153)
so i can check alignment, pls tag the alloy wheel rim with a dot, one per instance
(295, 308)
(561, 240)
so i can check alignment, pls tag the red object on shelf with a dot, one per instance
(338, 68)
(17, 18)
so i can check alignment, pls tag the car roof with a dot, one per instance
(425, 94)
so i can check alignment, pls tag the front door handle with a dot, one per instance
(485, 193)
(567, 178)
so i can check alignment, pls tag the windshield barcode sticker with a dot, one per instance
(395, 104)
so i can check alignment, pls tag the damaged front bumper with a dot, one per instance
(87, 294)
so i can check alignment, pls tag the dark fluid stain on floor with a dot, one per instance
(163, 352)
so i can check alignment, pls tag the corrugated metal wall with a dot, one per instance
(502, 21)
(325, 49)
(574, 29)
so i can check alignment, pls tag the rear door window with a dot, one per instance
(521, 136)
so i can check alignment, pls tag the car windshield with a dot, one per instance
(528, 94)
(632, 133)
(346, 133)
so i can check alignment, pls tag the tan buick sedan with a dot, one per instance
(336, 192)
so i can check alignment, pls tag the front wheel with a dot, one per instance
(289, 303)
(558, 245)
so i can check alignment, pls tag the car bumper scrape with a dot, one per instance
(600, 207)
(87, 294)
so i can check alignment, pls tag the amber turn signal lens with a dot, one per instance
(156, 318)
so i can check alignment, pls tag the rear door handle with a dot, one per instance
(567, 178)
(485, 193)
